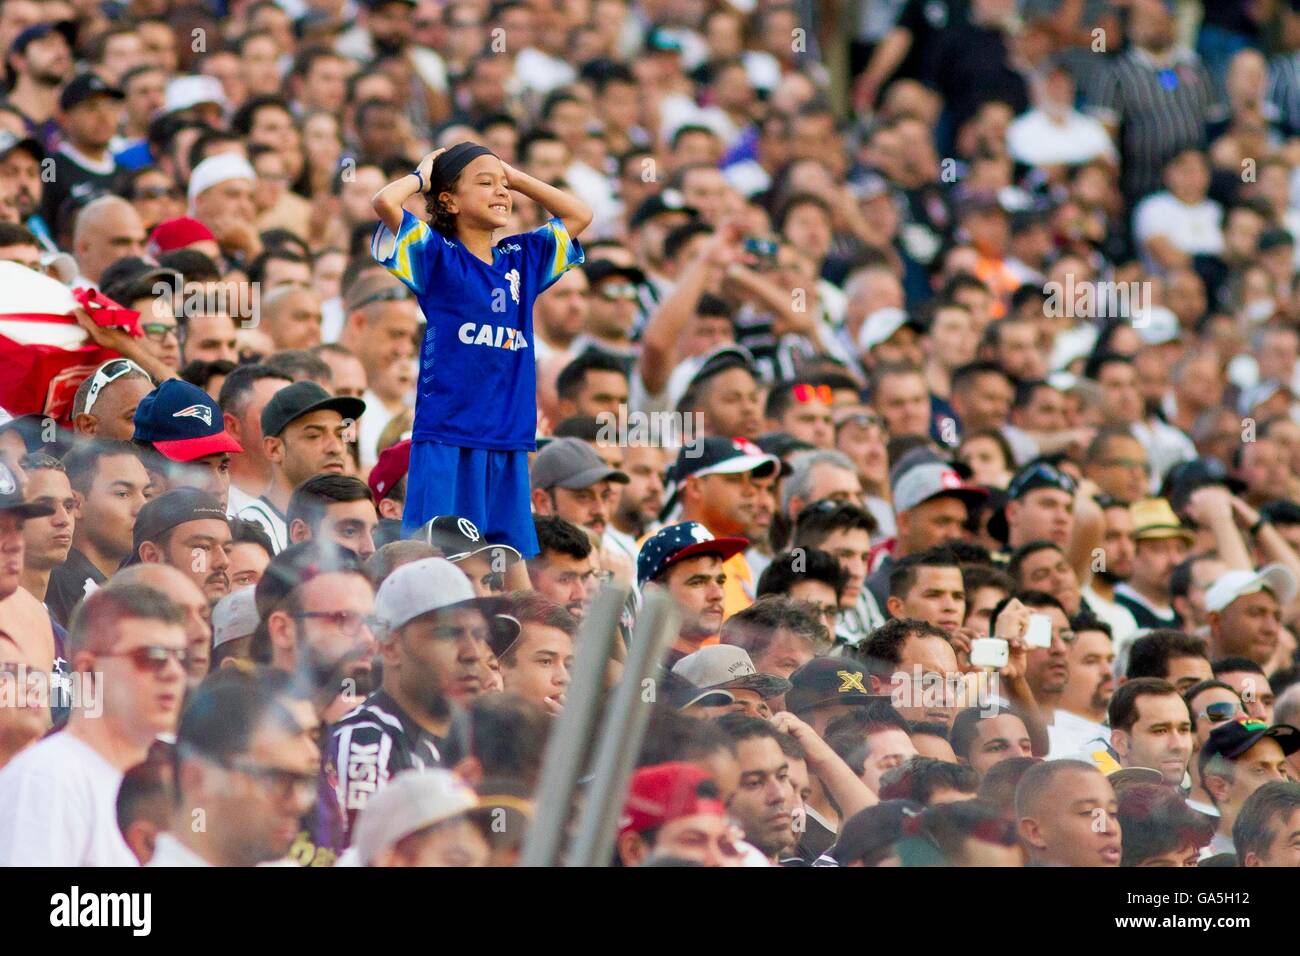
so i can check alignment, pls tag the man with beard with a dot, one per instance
(717, 484)
(20, 166)
(433, 638)
(40, 61)
(570, 480)
(1081, 715)
(315, 604)
(764, 804)
(248, 765)
(640, 499)
(690, 564)
(187, 529)
(564, 569)
(1118, 546)
(305, 432)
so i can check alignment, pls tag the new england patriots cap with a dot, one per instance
(182, 422)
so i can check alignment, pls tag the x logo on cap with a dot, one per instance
(851, 680)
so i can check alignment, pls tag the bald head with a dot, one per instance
(291, 316)
(108, 229)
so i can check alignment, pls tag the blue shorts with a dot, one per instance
(490, 488)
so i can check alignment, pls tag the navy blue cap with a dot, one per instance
(38, 31)
(182, 422)
(85, 86)
(677, 542)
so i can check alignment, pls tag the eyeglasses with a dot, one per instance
(282, 784)
(153, 658)
(614, 291)
(349, 623)
(397, 293)
(158, 331)
(106, 375)
(806, 394)
(1220, 712)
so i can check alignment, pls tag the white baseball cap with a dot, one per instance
(234, 616)
(189, 91)
(1235, 584)
(880, 325)
(1157, 326)
(219, 169)
(728, 667)
(411, 801)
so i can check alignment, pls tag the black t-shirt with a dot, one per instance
(971, 68)
(72, 179)
(927, 21)
(68, 585)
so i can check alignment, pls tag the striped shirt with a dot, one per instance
(1284, 91)
(1157, 112)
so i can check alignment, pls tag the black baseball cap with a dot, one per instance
(296, 400)
(718, 456)
(39, 31)
(1234, 738)
(600, 269)
(11, 497)
(170, 509)
(670, 200)
(298, 564)
(9, 142)
(458, 538)
(86, 86)
(1032, 477)
(828, 680)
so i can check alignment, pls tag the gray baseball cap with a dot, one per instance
(411, 802)
(726, 667)
(572, 463)
(921, 483)
(234, 616)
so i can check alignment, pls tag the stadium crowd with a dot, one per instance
(938, 360)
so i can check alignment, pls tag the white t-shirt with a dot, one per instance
(1194, 229)
(169, 851)
(1035, 140)
(60, 807)
(1070, 735)
(371, 426)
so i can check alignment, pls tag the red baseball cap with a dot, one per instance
(665, 792)
(394, 461)
(177, 234)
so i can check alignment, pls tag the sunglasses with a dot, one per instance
(153, 658)
(1039, 473)
(106, 375)
(617, 290)
(1220, 712)
(157, 192)
(806, 394)
(398, 293)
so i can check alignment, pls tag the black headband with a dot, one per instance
(449, 165)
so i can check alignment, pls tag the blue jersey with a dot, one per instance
(478, 377)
